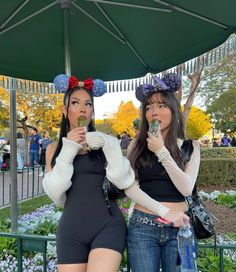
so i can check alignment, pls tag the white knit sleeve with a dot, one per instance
(185, 180)
(118, 169)
(141, 198)
(58, 181)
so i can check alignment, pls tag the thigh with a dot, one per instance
(72, 268)
(112, 236)
(169, 253)
(143, 247)
(104, 260)
(71, 251)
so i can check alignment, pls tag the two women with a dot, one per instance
(89, 237)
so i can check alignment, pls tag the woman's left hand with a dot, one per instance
(155, 143)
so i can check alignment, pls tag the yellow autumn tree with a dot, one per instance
(123, 119)
(4, 109)
(33, 110)
(198, 123)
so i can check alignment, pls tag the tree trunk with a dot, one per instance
(195, 80)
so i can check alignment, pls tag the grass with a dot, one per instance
(26, 206)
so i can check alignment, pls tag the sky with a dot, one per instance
(109, 103)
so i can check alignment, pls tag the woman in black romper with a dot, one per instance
(89, 237)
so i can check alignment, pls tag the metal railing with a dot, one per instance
(29, 185)
(38, 243)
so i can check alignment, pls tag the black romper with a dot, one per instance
(86, 223)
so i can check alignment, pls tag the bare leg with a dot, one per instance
(72, 267)
(104, 260)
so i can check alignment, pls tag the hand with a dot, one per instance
(155, 143)
(77, 135)
(177, 218)
(95, 139)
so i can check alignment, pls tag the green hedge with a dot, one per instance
(218, 166)
(217, 171)
(218, 152)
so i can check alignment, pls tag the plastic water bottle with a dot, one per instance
(187, 252)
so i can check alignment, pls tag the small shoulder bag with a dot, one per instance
(201, 219)
(111, 192)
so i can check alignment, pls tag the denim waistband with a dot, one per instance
(147, 219)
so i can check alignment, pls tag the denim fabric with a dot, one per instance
(34, 157)
(20, 162)
(151, 246)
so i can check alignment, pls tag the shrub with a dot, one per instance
(218, 152)
(217, 171)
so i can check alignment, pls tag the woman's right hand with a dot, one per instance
(77, 135)
(178, 219)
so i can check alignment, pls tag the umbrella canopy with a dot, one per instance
(108, 39)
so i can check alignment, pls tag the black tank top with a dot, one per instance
(155, 181)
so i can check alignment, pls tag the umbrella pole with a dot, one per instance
(13, 151)
(66, 6)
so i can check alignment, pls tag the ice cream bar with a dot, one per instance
(82, 121)
(154, 126)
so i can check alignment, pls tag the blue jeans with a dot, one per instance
(151, 246)
(20, 161)
(34, 156)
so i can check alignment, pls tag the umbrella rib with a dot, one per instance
(130, 5)
(174, 7)
(14, 14)
(122, 35)
(29, 17)
(97, 22)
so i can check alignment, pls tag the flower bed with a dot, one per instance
(44, 221)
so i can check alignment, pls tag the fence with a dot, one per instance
(26, 242)
(29, 185)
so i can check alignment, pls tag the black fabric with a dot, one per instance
(111, 191)
(86, 222)
(155, 181)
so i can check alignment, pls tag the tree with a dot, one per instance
(223, 111)
(105, 126)
(33, 110)
(124, 117)
(198, 123)
(218, 79)
(4, 109)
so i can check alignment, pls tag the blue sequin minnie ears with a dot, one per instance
(63, 83)
(170, 82)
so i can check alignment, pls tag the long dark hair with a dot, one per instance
(141, 155)
(65, 124)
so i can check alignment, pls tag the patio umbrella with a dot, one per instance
(108, 39)
(104, 39)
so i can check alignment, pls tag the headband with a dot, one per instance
(63, 83)
(170, 82)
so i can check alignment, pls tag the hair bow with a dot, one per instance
(171, 82)
(87, 83)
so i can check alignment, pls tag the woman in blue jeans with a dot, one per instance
(163, 175)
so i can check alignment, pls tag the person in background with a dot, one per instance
(21, 151)
(125, 140)
(233, 142)
(44, 142)
(136, 125)
(34, 147)
(163, 175)
(225, 141)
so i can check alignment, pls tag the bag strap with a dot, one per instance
(187, 151)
